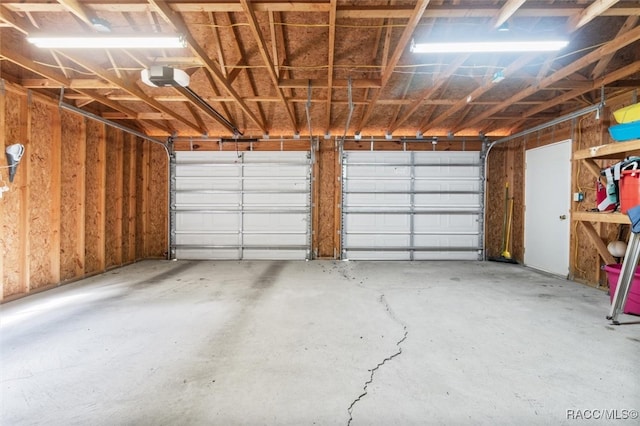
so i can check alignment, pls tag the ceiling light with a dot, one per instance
(107, 41)
(490, 46)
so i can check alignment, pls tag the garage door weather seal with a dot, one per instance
(372, 372)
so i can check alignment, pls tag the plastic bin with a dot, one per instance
(625, 132)
(628, 114)
(629, 190)
(633, 300)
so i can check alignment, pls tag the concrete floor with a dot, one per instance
(317, 343)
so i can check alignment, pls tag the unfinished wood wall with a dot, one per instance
(79, 203)
(506, 165)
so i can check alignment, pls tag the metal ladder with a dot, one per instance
(626, 277)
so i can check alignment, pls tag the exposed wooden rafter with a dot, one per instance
(590, 58)
(264, 52)
(178, 23)
(414, 19)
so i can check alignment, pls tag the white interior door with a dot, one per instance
(547, 205)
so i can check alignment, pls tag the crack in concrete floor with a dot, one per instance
(373, 371)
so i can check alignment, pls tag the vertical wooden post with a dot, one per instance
(337, 204)
(56, 194)
(145, 184)
(101, 165)
(3, 132)
(118, 180)
(131, 213)
(24, 170)
(80, 188)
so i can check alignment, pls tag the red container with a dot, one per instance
(633, 300)
(629, 189)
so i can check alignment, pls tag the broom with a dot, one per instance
(505, 255)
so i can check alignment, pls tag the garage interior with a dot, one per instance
(295, 217)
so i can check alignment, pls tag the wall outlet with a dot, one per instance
(578, 196)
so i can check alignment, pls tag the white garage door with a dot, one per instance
(412, 205)
(248, 205)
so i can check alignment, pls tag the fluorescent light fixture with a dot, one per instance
(107, 41)
(490, 46)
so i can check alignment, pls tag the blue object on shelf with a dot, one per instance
(625, 132)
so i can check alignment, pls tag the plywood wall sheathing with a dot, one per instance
(95, 212)
(72, 204)
(113, 198)
(54, 217)
(157, 231)
(326, 224)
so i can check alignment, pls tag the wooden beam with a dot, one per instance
(129, 88)
(590, 58)
(179, 25)
(264, 52)
(355, 11)
(519, 63)
(79, 10)
(331, 57)
(508, 9)
(597, 8)
(194, 112)
(319, 83)
(430, 91)
(601, 247)
(601, 66)
(565, 97)
(17, 22)
(217, 43)
(241, 48)
(216, 92)
(414, 20)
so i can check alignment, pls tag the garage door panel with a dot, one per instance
(447, 172)
(255, 205)
(281, 171)
(446, 223)
(298, 201)
(281, 185)
(411, 205)
(275, 222)
(383, 222)
(380, 240)
(379, 255)
(207, 222)
(445, 255)
(207, 184)
(382, 201)
(199, 239)
(264, 254)
(371, 185)
(208, 200)
(447, 241)
(206, 254)
(264, 240)
(448, 185)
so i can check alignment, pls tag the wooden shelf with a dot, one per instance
(612, 151)
(605, 217)
(609, 151)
